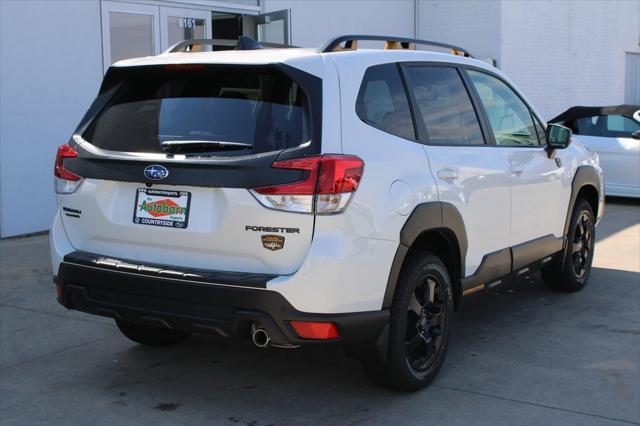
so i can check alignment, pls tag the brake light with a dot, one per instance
(326, 188)
(316, 330)
(66, 182)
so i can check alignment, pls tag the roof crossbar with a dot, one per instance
(242, 43)
(391, 42)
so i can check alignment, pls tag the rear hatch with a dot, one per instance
(169, 155)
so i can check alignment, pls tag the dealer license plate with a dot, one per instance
(160, 207)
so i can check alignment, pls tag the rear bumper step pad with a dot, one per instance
(240, 279)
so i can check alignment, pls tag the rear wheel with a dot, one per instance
(420, 325)
(571, 272)
(151, 336)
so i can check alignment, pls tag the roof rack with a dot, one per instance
(391, 42)
(242, 43)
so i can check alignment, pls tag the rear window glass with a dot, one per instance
(202, 109)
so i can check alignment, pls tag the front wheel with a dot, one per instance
(421, 317)
(151, 336)
(571, 272)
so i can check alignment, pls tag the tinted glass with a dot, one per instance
(444, 106)
(611, 126)
(259, 107)
(509, 116)
(382, 101)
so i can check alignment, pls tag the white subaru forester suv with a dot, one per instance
(315, 196)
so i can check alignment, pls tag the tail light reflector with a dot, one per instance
(316, 330)
(326, 187)
(66, 182)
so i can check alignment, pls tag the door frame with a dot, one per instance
(276, 15)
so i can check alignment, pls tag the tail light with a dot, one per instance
(65, 182)
(327, 187)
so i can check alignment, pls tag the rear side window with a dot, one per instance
(444, 106)
(382, 101)
(510, 118)
(611, 126)
(202, 109)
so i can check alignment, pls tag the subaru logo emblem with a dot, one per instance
(156, 172)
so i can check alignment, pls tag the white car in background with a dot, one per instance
(614, 133)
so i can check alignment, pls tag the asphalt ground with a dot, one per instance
(522, 356)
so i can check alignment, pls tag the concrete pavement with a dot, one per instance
(525, 355)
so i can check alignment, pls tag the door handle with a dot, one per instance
(447, 174)
(516, 170)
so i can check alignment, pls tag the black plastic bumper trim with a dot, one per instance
(182, 304)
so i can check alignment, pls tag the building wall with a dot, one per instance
(560, 53)
(315, 21)
(469, 24)
(566, 53)
(50, 70)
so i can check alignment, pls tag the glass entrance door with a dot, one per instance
(129, 31)
(182, 24)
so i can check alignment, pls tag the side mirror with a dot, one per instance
(558, 137)
(636, 134)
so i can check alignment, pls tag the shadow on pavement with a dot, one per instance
(513, 327)
(620, 214)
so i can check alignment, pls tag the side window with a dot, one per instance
(608, 126)
(619, 126)
(509, 116)
(587, 126)
(382, 101)
(444, 106)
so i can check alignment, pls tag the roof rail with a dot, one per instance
(242, 43)
(391, 42)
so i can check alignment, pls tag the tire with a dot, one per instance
(570, 272)
(420, 325)
(151, 336)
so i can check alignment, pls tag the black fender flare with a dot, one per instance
(585, 176)
(429, 216)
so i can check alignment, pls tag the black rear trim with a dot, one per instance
(233, 172)
(240, 279)
(182, 304)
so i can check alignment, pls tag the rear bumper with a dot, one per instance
(182, 303)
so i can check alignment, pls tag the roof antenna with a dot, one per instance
(247, 43)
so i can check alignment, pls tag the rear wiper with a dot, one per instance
(202, 145)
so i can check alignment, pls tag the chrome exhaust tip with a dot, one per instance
(259, 336)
